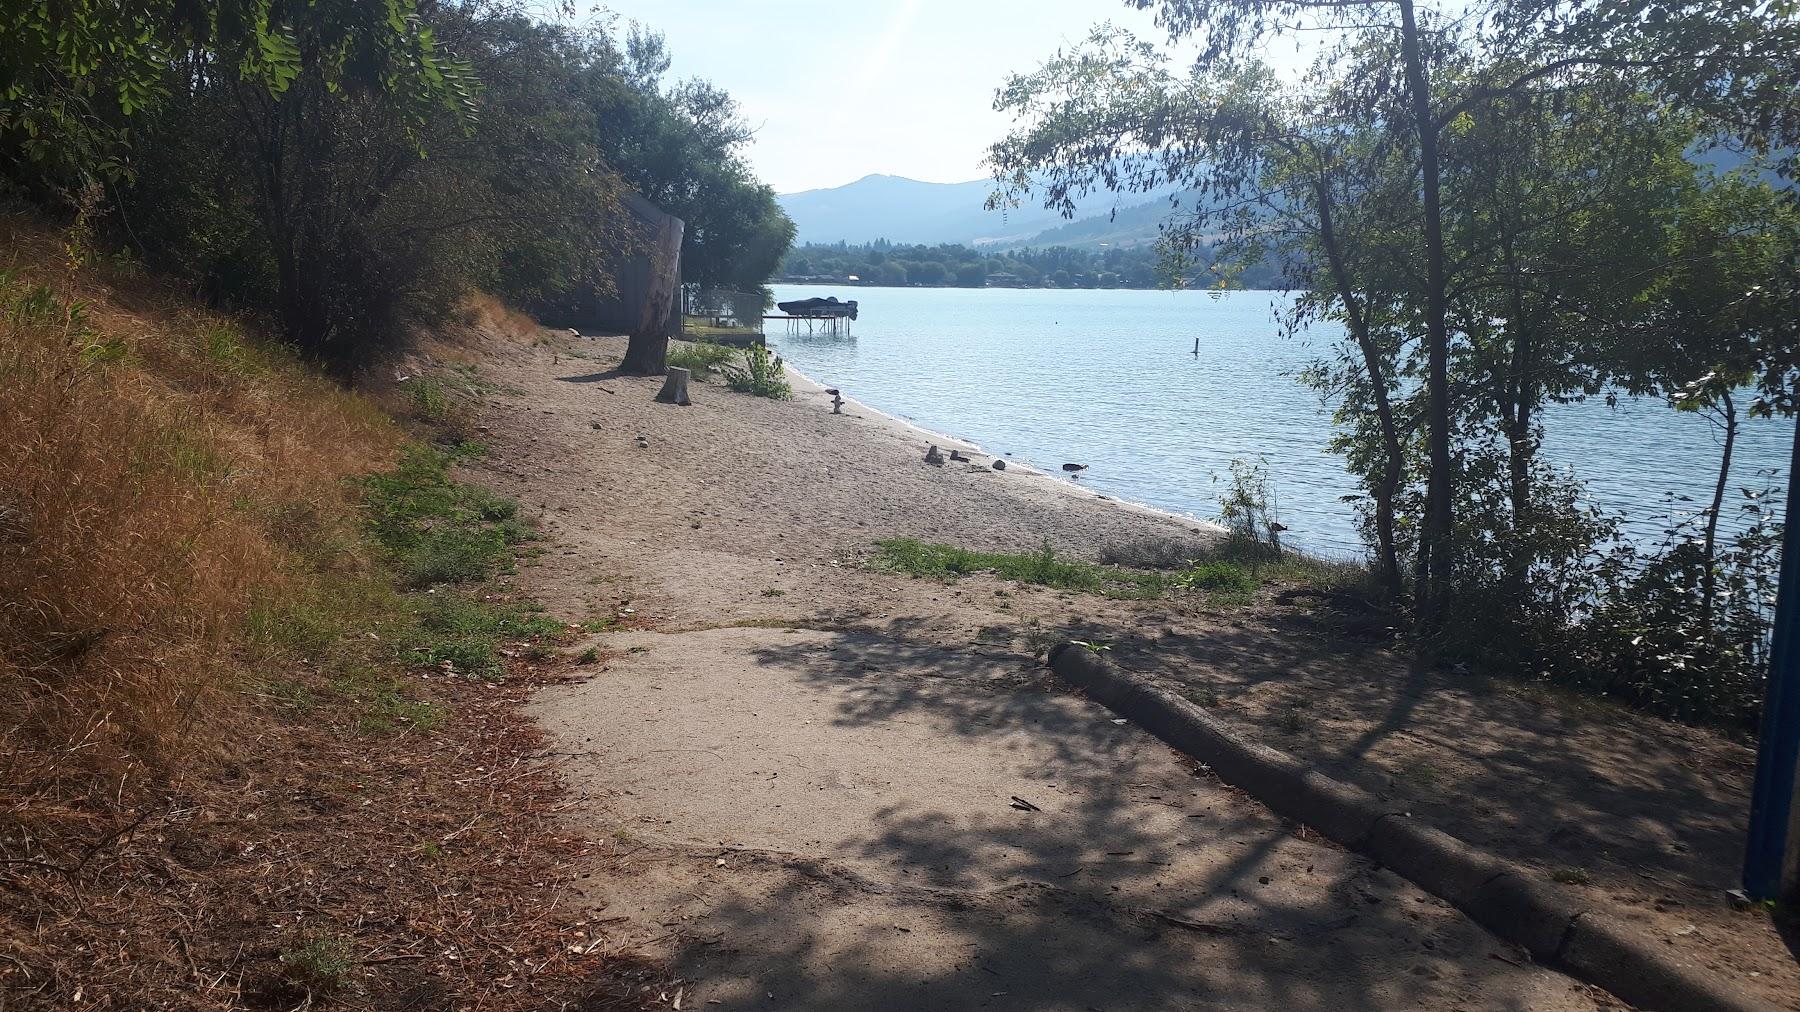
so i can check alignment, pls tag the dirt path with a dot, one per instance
(822, 787)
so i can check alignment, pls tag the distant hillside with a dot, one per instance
(905, 210)
(1134, 225)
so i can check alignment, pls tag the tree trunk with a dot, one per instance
(674, 388)
(1389, 482)
(647, 354)
(1434, 541)
(1709, 575)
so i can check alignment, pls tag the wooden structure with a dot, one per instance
(830, 315)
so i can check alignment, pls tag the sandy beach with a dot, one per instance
(802, 771)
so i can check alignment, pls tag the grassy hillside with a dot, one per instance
(253, 660)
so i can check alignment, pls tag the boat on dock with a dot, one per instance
(819, 309)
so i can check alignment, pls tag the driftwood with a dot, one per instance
(674, 388)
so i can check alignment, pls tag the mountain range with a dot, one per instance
(905, 210)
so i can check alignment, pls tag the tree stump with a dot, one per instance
(674, 388)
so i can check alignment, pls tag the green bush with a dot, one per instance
(760, 373)
(701, 358)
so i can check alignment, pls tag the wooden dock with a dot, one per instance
(836, 325)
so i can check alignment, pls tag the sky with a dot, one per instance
(838, 91)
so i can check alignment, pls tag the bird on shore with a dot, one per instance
(1074, 470)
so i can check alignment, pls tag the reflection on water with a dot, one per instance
(1109, 379)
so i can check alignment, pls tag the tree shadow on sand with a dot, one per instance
(1139, 883)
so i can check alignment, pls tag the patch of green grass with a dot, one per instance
(463, 635)
(588, 656)
(701, 358)
(1224, 577)
(390, 711)
(437, 530)
(321, 965)
(1571, 876)
(774, 592)
(1222, 580)
(296, 696)
(1042, 568)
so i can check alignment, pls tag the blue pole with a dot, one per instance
(1772, 798)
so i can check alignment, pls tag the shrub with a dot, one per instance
(760, 373)
(428, 399)
(1247, 511)
(701, 358)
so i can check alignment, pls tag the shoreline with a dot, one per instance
(895, 425)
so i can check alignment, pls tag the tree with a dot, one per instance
(1711, 325)
(931, 272)
(296, 77)
(1279, 175)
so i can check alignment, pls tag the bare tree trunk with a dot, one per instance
(1434, 541)
(1709, 575)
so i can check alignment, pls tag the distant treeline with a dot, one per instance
(347, 170)
(956, 266)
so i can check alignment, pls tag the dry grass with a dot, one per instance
(158, 472)
(489, 315)
(196, 746)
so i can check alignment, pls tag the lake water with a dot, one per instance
(1109, 379)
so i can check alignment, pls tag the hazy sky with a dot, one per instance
(840, 90)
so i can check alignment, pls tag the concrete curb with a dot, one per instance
(1500, 896)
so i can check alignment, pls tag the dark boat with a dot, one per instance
(819, 309)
